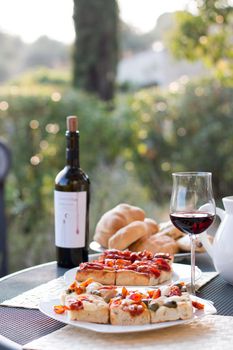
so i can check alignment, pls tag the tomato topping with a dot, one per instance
(156, 294)
(60, 309)
(87, 282)
(135, 297)
(175, 290)
(117, 254)
(133, 256)
(163, 255)
(122, 262)
(162, 264)
(91, 265)
(143, 268)
(79, 290)
(126, 255)
(124, 292)
(134, 309)
(155, 271)
(109, 262)
(130, 267)
(76, 305)
(73, 286)
(145, 254)
(150, 293)
(198, 305)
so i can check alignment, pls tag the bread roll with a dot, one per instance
(115, 219)
(185, 246)
(152, 226)
(169, 229)
(156, 244)
(128, 234)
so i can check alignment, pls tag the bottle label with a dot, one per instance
(70, 219)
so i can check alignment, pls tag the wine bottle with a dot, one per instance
(71, 204)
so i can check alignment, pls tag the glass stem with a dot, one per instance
(193, 246)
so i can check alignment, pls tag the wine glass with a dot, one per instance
(192, 207)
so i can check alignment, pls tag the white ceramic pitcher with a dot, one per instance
(221, 251)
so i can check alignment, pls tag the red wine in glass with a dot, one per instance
(192, 207)
(193, 222)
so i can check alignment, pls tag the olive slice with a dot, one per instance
(96, 292)
(171, 304)
(153, 306)
(69, 291)
(146, 301)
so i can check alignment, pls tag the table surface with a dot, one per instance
(19, 326)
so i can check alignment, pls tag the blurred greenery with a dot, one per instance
(17, 57)
(207, 36)
(129, 152)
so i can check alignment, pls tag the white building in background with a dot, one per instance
(156, 66)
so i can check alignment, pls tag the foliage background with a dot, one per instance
(129, 152)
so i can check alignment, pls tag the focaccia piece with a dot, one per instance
(115, 267)
(97, 271)
(170, 309)
(128, 313)
(171, 303)
(131, 278)
(88, 308)
(90, 301)
(165, 267)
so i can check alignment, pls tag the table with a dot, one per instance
(20, 326)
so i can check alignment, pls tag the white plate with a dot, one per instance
(181, 272)
(46, 307)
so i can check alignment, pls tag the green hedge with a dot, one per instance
(190, 129)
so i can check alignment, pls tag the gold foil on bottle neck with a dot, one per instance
(72, 123)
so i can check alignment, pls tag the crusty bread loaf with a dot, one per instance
(115, 219)
(130, 233)
(158, 243)
(185, 246)
(169, 229)
(152, 226)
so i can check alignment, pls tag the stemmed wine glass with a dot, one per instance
(192, 207)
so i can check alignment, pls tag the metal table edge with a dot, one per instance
(26, 270)
(8, 344)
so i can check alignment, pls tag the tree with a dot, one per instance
(96, 46)
(206, 35)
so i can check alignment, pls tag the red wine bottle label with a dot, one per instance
(70, 219)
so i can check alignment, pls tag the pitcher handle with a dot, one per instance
(203, 236)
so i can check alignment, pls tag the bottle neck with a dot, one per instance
(72, 149)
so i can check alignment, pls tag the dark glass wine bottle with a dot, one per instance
(71, 204)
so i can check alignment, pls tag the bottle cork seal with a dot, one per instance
(72, 123)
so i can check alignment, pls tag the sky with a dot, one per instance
(30, 19)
